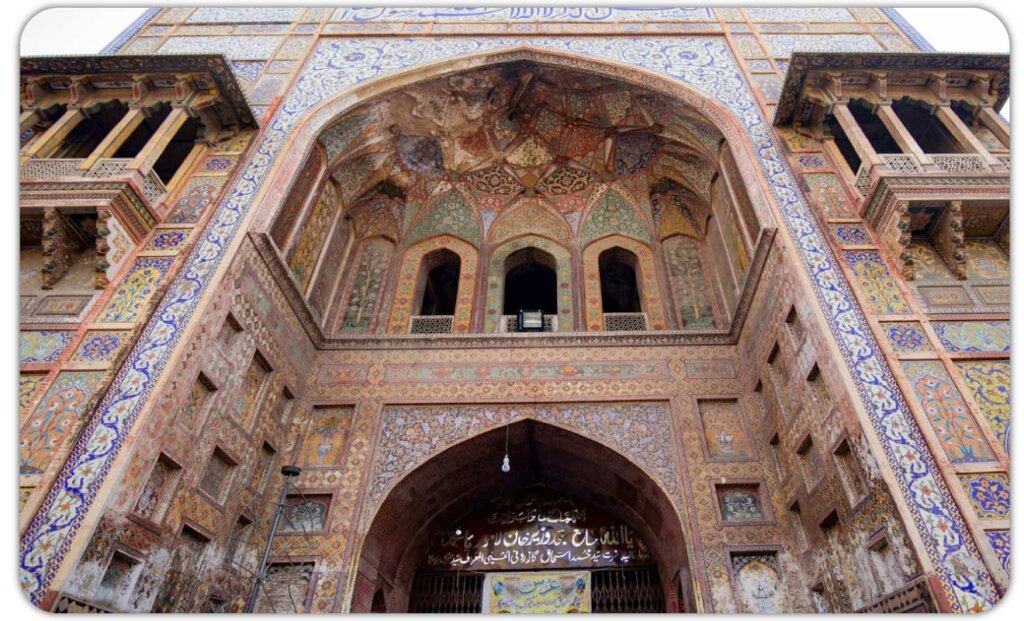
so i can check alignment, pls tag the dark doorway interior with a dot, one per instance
(530, 282)
(619, 291)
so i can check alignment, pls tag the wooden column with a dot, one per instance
(54, 135)
(964, 136)
(28, 118)
(150, 153)
(995, 124)
(860, 142)
(115, 137)
(901, 135)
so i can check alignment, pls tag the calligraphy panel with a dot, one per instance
(537, 528)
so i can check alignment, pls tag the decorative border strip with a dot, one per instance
(337, 65)
(130, 31)
(906, 28)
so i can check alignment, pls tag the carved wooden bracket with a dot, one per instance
(948, 239)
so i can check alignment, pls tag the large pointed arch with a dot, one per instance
(454, 467)
(331, 112)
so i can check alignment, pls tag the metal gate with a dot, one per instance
(449, 593)
(626, 590)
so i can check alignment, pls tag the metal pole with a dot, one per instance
(261, 572)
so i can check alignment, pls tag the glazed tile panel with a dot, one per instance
(973, 336)
(948, 413)
(42, 346)
(989, 384)
(337, 65)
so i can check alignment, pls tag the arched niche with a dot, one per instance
(498, 268)
(408, 293)
(647, 284)
(685, 132)
(691, 288)
(437, 286)
(467, 475)
(363, 293)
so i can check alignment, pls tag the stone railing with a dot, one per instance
(51, 168)
(509, 323)
(901, 162)
(431, 324)
(153, 188)
(863, 181)
(109, 167)
(625, 322)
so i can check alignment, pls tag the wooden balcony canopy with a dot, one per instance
(814, 81)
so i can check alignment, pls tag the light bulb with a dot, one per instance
(505, 466)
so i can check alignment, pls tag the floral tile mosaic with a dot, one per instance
(42, 346)
(989, 494)
(906, 337)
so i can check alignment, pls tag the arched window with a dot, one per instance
(439, 282)
(530, 282)
(620, 292)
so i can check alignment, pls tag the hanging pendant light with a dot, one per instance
(505, 465)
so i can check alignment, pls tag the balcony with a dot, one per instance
(150, 186)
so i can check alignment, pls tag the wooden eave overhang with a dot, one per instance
(805, 65)
(210, 72)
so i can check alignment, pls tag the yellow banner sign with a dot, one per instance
(544, 592)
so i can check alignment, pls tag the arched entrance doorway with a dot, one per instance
(630, 553)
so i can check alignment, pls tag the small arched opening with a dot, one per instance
(531, 282)
(620, 291)
(439, 282)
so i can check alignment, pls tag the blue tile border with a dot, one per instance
(130, 31)
(906, 28)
